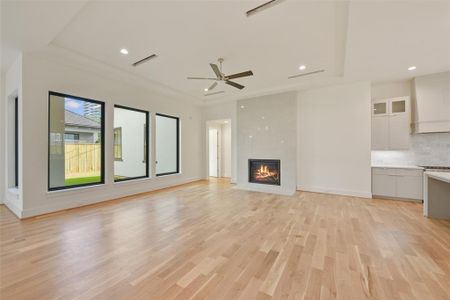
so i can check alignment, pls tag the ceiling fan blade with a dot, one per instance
(216, 70)
(238, 75)
(234, 84)
(215, 93)
(202, 78)
(212, 86)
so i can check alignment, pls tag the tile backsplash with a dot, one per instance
(429, 149)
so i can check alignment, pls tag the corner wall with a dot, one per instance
(334, 140)
(43, 73)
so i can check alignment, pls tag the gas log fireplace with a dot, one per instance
(264, 171)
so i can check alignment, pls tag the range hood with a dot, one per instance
(431, 103)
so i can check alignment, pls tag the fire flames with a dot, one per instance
(264, 173)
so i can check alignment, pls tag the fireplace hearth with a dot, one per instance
(264, 171)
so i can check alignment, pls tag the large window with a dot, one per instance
(130, 143)
(76, 142)
(167, 145)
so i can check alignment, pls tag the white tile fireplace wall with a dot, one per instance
(429, 149)
(267, 130)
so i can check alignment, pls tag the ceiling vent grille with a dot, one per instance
(262, 7)
(145, 59)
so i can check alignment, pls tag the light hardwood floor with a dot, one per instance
(210, 241)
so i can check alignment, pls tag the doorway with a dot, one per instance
(219, 148)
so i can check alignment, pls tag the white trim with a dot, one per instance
(316, 189)
(15, 209)
(58, 206)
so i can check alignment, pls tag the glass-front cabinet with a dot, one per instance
(389, 106)
(391, 124)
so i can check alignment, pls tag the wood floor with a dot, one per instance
(210, 241)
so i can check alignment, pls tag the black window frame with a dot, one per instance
(178, 144)
(146, 139)
(102, 138)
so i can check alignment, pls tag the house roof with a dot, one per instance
(74, 119)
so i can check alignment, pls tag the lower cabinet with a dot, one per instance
(397, 183)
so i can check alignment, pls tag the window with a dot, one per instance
(167, 145)
(130, 143)
(118, 143)
(76, 142)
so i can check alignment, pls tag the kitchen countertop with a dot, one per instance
(398, 167)
(443, 176)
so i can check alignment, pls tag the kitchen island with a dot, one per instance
(436, 195)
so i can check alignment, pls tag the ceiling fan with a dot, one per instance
(220, 76)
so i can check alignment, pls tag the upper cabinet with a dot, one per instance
(431, 103)
(391, 120)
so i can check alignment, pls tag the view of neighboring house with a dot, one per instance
(80, 130)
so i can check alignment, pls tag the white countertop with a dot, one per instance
(443, 176)
(398, 167)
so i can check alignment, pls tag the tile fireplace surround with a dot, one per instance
(267, 129)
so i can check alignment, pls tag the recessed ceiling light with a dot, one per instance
(412, 68)
(302, 67)
(226, 122)
(205, 90)
(242, 106)
(124, 51)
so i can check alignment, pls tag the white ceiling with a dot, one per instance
(363, 40)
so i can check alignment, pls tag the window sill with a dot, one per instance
(169, 174)
(133, 180)
(75, 189)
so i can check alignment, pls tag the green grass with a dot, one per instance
(81, 180)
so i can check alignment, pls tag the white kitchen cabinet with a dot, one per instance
(380, 132)
(397, 183)
(391, 120)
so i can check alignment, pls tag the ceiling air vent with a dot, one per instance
(145, 59)
(214, 93)
(262, 7)
(306, 74)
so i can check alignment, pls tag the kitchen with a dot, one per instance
(411, 142)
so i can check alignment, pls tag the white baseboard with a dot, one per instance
(105, 197)
(12, 207)
(315, 189)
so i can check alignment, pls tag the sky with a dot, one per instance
(74, 105)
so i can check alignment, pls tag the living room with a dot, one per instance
(225, 150)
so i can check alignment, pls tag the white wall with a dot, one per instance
(222, 111)
(225, 150)
(2, 137)
(12, 89)
(391, 89)
(41, 74)
(267, 130)
(334, 139)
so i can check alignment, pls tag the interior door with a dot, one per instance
(213, 152)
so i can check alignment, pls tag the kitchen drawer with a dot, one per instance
(384, 171)
(384, 185)
(409, 172)
(409, 187)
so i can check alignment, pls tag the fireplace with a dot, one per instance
(264, 171)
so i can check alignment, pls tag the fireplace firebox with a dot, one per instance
(264, 171)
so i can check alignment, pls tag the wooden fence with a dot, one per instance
(82, 160)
